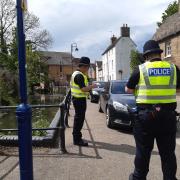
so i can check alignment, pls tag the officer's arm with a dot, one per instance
(88, 88)
(133, 81)
(128, 90)
(79, 79)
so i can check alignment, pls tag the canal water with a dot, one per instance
(41, 117)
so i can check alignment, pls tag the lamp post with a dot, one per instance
(73, 47)
(23, 111)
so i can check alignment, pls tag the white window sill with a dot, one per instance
(168, 56)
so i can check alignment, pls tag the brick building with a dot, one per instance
(61, 65)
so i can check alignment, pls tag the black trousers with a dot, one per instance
(80, 110)
(162, 128)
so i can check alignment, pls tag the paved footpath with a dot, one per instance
(110, 155)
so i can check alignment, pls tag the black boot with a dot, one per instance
(81, 143)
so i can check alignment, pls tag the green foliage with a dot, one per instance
(36, 38)
(3, 51)
(8, 91)
(171, 9)
(41, 122)
(37, 71)
(12, 63)
(135, 60)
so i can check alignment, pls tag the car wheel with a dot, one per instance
(100, 109)
(108, 119)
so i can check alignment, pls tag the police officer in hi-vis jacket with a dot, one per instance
(154, 84)
(79, 92)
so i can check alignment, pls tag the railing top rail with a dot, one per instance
(33, 106)
(43, 105)
(33, 129)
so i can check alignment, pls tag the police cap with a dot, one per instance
(84, 61)
(150, 47)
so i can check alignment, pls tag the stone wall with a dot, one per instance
(175, 50)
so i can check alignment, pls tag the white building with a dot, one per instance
(116, 58)
(99, 72)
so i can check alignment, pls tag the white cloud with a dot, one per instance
(89, 22)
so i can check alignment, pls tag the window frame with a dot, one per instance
(168, 49)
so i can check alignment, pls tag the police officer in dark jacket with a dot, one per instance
(154, 84)
(79, 92)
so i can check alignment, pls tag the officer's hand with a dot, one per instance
(94, 86)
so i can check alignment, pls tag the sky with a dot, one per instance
(91, 23)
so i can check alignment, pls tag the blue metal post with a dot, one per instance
(23, 111)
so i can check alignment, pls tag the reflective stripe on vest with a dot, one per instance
(157, 83)
(75, 90)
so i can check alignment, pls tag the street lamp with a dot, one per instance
(73, 47)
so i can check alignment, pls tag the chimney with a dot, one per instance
(113, 39)
(125, 31)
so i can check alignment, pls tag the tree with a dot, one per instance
(171, 9)
(12, 63)
(37, 71)
(8, 91)
(7, 19)
(39, 37)
(36, 37)
(136, 59)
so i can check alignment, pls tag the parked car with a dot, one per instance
(117, 104)
(94, 94)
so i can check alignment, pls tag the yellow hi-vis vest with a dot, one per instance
(75, 89)
(157, 83)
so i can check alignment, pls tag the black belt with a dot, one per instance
(166, 107)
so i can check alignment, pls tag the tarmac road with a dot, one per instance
(110, 155)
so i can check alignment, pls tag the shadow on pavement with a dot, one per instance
(124, 148)
(9, 171)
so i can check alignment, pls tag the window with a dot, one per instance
(167, 49)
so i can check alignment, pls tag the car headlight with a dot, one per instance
(119, 107)
(95, 92)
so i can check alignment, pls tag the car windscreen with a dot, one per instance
(118, 88)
